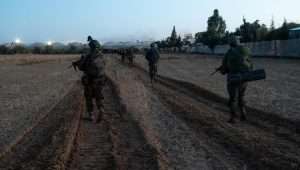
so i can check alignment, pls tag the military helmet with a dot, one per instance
(89, 38)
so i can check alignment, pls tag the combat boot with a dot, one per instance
(89, 116)
(231, 120)
(232, 115)
(98, 117)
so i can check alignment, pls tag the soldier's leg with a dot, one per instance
(151, 71)
(155, 70)
(242, 92)
(88, 100)
(232, 91)
(98, 87)
(131, 59)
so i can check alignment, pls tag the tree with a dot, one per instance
(283, 33)
(4, 49)
(251, 32)
(261, 33)
(37, 50)
(272, 26)
(49, 49)
(173, 38)
(20, 49)
(199, 37)
(272, 31)
(215, 30)
(179, 42)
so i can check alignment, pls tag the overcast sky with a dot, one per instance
(106, 20)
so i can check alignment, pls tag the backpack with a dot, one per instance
(90, 66)
(238, 60)
(152, 56)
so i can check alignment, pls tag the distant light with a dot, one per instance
(49, 43)
(17, 41)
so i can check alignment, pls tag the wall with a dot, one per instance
(278, 48)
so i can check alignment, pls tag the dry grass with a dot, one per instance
(29, 59)
(279, 93)
(27, 93)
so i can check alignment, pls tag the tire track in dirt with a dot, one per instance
(46, 144)
(176, 144)
(273, 123)
(117, 142)
(252, 146)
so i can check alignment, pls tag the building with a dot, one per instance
(189, 38)
(294, 33)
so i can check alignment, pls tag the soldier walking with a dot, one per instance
(93, 67)
(152, 56)
(236, 61)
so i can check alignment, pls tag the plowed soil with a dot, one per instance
(171, 124)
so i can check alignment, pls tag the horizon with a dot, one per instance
(118, 21)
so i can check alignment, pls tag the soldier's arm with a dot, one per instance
(147, 56)
(223, 68)
(249, 58)
(158, 55)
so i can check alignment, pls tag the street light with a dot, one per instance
(49, 43)
(18, 41)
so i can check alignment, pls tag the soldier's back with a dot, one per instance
(238, 59)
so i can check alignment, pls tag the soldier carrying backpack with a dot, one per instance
(152, 56)
(236, 61)
(93, 67)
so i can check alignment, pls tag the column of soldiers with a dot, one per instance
(127, 53)
(236, 61)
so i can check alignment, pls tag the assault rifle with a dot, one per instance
(219, 69)
(74, 65)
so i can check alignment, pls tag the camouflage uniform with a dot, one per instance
(94, 44)
(130, 55)
(121, 52)
(152, 56)
(236, 60)
(93, 80)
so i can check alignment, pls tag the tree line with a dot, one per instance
(216, 33)
(42, 49)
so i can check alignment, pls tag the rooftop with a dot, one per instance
(295, 29)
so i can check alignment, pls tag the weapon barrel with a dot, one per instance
(247, 76)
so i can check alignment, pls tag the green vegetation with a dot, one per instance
(216, 33)
(216, 28)
(174, 41)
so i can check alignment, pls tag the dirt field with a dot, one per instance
(174, 124)
(30, 86)
(279, 93)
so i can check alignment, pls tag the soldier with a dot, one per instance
(122, 54)
(92, 65)
(93, 44)
(152, 56)
(236, 60)
(130, 55)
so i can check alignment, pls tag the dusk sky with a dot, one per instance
(121, 20)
